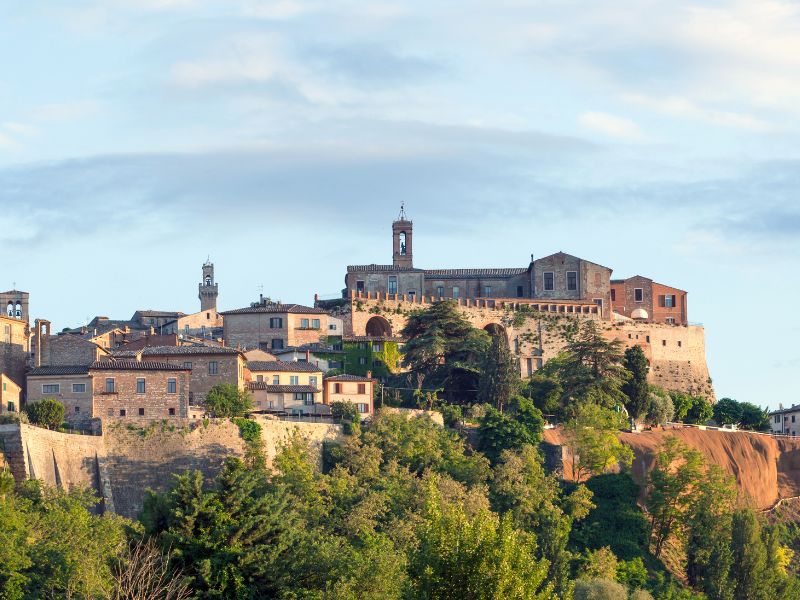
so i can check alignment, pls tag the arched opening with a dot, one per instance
(208, 280)
(402, 243)
(18, 312)
(10, 309)
(496, 330)
(379, 327)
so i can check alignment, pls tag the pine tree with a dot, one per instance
(636, 388)
(500, 378)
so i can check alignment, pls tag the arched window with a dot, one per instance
(10, 309)
(208, 279)
(18, 312)
(402, 243)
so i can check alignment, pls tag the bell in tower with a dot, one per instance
(209, 290)
(402, 234)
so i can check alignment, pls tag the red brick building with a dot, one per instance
(643, 299)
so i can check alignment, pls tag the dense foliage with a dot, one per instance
(46, 412)
(227, 400)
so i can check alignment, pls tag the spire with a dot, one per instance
(402, 216)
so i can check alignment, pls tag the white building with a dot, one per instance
(785, 420)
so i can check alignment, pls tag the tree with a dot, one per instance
(636, 388)
(753, 417)
(599, 564)
(700, 411)
(144, 574)
(545, 392)
(670, 486)
(443, 346)
(727, 412)
(46, 412)
(227, 400)
(464, 558)
(342, 410)
(500, 375)
(659, 409)
(750, 569)
(599, 589)
(592, 438)
(498, 431)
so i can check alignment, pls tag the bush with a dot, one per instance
(46, 412)
(452, 415)
(227, 400)
(249, 430)
(659, 408)
(599, 589)
(345, 411)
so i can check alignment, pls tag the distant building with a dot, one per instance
(14, 347)
(785, 420)
(10, 395)
(292, 388)
(354, 389)
(14, 305)
(208, 290)
(643, 299)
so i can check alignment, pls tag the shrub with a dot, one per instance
(599, 589)
(227, 400)
(345, 411)
(46, 412)
(452, 415)
(249, 430)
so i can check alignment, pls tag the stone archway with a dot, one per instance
(496, 330)
(377, 326)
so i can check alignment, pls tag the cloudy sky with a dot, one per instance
(138, 137)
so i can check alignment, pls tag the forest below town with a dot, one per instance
(402, 508)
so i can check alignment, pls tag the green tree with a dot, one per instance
(443, 346)
(700, 410)
(592, 438)
(636, 388)
(46, 412)
(464, 558)
(545, 391)
(345, 411)
(599, 564)
(727, 412)
(519, 427)
(750, 570)
(227, 400)
(600, 589)
(660, 409)
(753, 417)
(500, 375)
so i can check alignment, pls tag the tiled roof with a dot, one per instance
(313, 348)
(279, 366)
(345, 377)
(159, 313)
(59, 370)
(372, 338)
(275, 308)
(135, 365)
(281, 389)
(125, 353)
(187, 350)
(473, 273)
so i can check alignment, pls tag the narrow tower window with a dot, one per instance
(402, 243)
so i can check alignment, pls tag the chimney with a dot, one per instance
(369, 374)
(308, 355)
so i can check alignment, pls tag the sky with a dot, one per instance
(278, 138)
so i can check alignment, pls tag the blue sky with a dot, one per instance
(279, 137)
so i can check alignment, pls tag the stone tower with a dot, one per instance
(14, 304)
(208, 289)
(402, 235)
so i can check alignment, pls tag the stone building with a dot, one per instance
(10, 395)
(272, 326)
(559, 276)
(139, 391)
(286, 387)
(350, 388)
(14, 305)
(206, 324)
(69, 384)
(208, 289)
(14, 347)
(207, 365)
(642, 298)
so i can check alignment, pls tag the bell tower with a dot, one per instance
(209, 290)
(402, 235)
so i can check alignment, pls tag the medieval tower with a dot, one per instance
(209, 290)
(402, 234)
(14, 304)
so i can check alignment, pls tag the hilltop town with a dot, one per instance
(296, 359)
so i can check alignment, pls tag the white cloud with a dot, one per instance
(18, 128)
(683, 107)
(65, 111)
(276, 9)
(611, 125)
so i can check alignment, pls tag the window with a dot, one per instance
(51, 388)
(187, 365)
(680, 344)
(362, 388)
(304, 323)
(337, 388)
(78, 388)
(516, 345)
(122, 412)
(392, 284)
(362, 408)
(487, 291)
(10, 407)
(648, 339)
(529, 366)
(172, 386)
(456, 292)
(362, 360)
(670, 320)
(792, 418)
(549, 281)
(440, 291)
(411, 295)
(572, 281)
(276, 323)
(520, 291)
(312, 381)
(171, 412)
(276, 380)
(294, 380)
(332, 326)
(308, 399)
(359, 286)
(277, 344)
(4, 386)
(377, 347)
(110, 388)
(638, 294)
(77, 409)
(140, 386)
(777, 419)
(315, 323)
(663, 342)
(141, 412)
(259, 378)
(613, 294)
(599, 302)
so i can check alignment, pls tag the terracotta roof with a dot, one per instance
(59, 370)
(158, 313)
(473, 273)
(372, 338)
(313, 348)
(276, 308)
(135, 365)
(374, 267)
(346, 377)
(125, 353)
(279, 365)
(281, 389)
(187, 350)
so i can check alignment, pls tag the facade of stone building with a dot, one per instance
(203, 324)
(10, 395)
(69, 384)
(293, 388)
(272, 326)
(353, 389)
(207, 365)
(642, 298)
(14, 348)
(14, 305)
(66, 349)
(139, 391)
